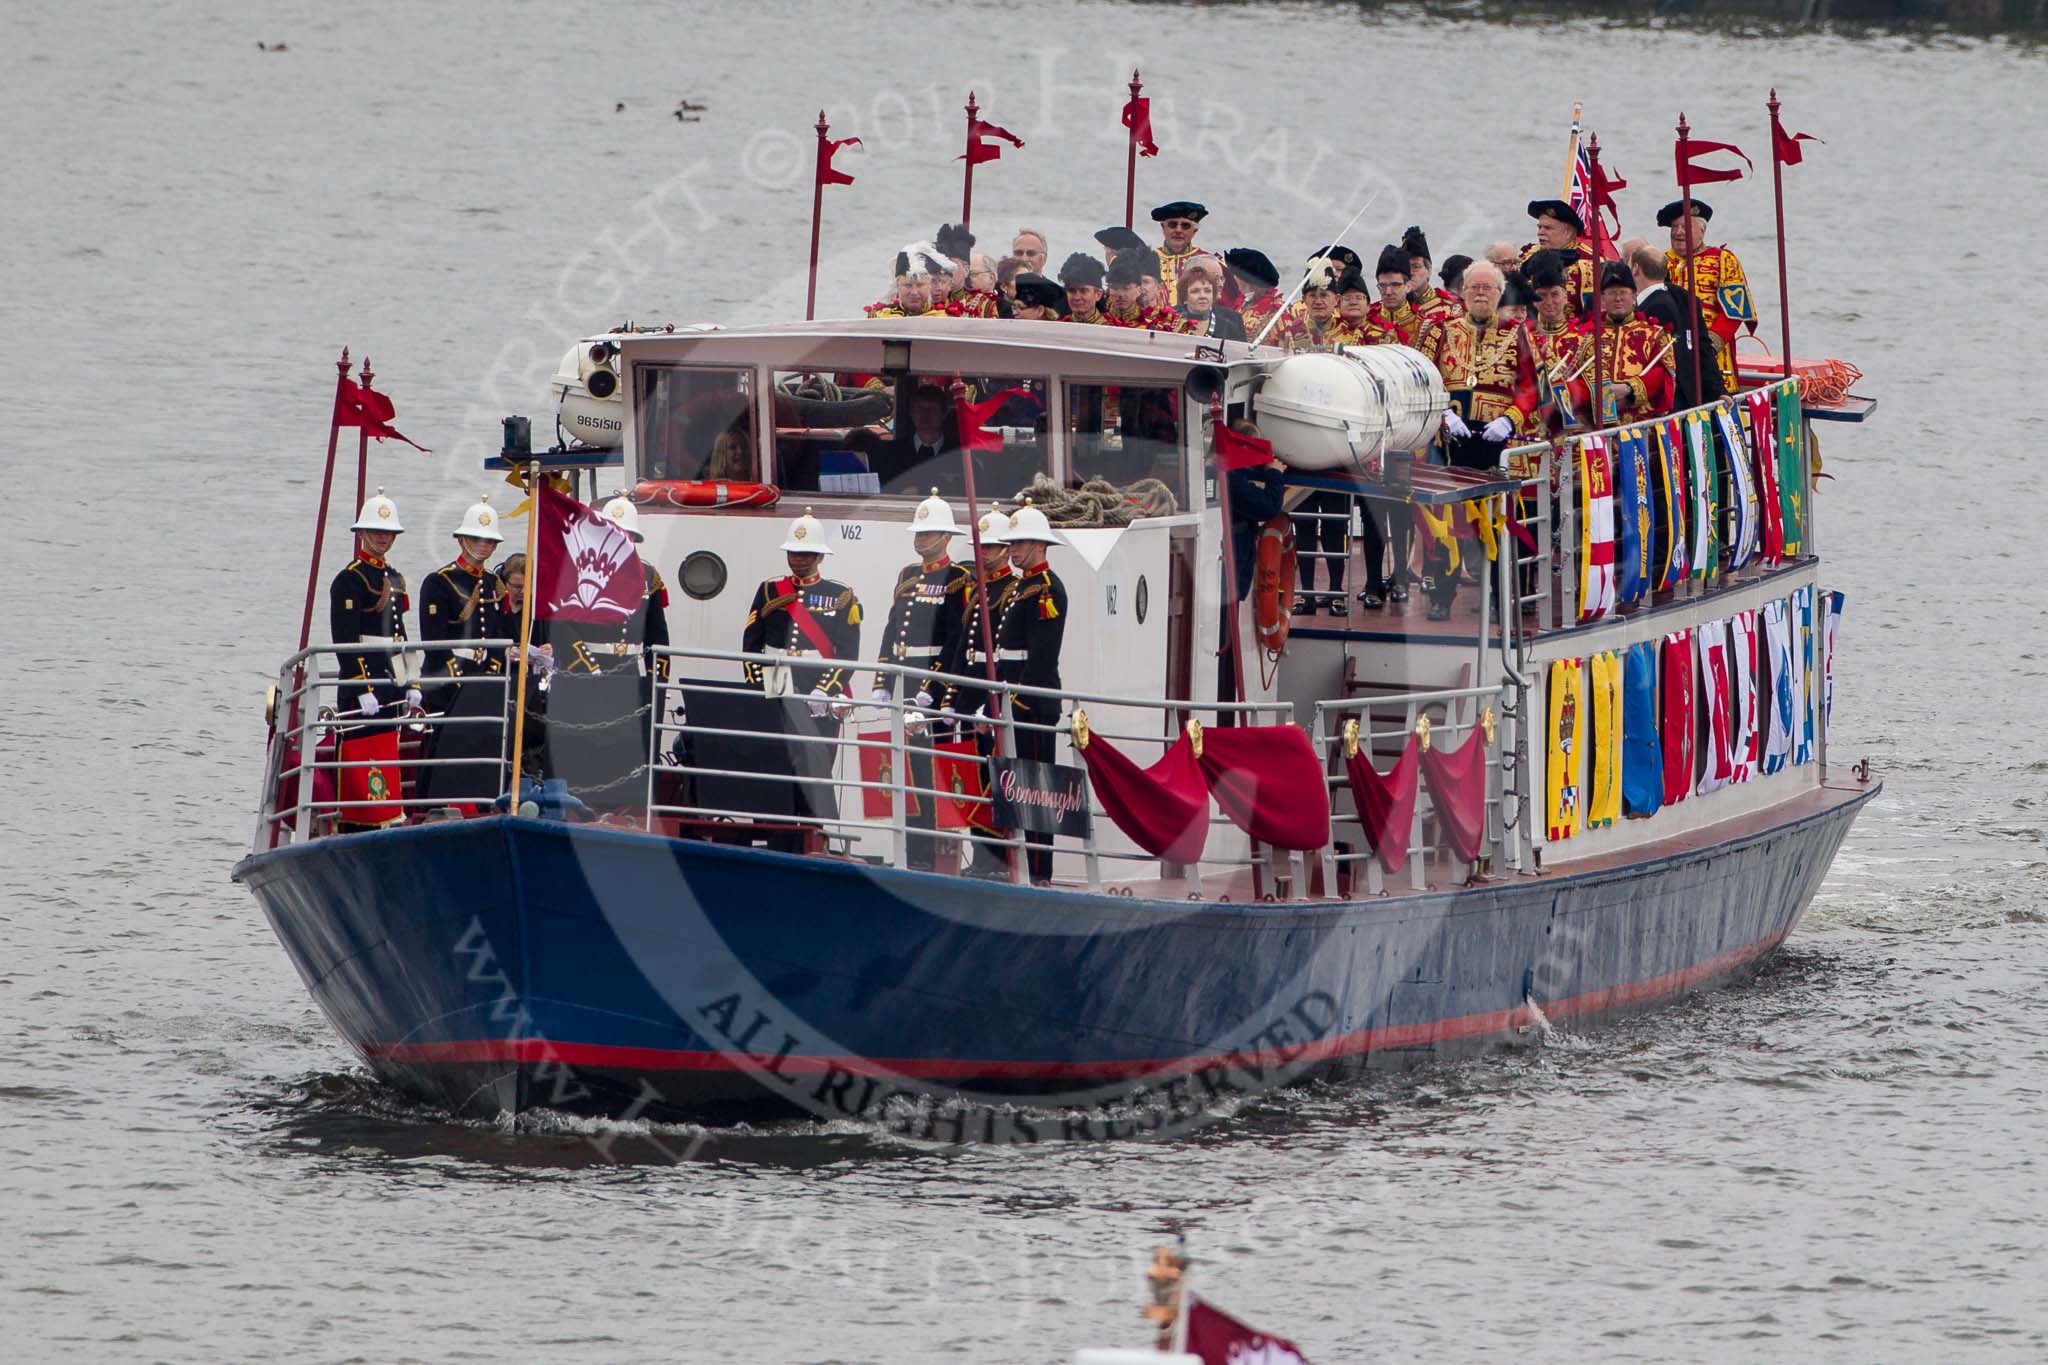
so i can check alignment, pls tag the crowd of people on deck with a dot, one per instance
(1532, 341)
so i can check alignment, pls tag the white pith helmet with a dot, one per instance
(934, 514)
(806, 536)
(379, 514)
(1028, 523)
(479, 522)
(621, 511)
(995, 527)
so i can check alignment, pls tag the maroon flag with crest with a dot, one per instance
(586, 568)
(1220, 1339)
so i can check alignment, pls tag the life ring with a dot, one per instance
(1273, 585)
(704, 493)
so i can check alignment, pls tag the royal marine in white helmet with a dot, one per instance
(804, 615)
(366, 604)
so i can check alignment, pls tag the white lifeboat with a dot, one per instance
(1341, 409)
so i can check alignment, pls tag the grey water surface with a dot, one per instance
(1842, 1161)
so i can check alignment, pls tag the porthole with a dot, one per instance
(702, 575)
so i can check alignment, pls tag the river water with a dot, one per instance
(1840, 1162)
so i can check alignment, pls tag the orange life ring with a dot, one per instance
(704, 493)
(1273, 584)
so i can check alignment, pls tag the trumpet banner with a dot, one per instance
(1562, 816)
(1603, 755)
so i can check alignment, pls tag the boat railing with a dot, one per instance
(885, 829)
(1548, 594)
(1385, 727)
(304, 712)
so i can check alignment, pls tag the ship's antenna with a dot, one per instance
(1288, 302)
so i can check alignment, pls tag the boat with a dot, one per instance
(742, 934)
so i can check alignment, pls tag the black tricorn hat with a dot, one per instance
(1393, 260)
(1672, 211)
(1252, 265)
(1119, 238)
(1131, 267)
(1412, 241)
(1081, 268)
(1558, 209)
(1514, 291)
(1454, 269)
(1341, 253)
(1036, 291)
(954, 241)
(1180, 208)
(1615, 275)
(1352, 282)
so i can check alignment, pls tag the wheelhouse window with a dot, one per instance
(1125, 434)
(903, 434)
(697, 424)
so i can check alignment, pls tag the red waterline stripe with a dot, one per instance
(544, 1050)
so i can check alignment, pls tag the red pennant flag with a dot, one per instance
(1785, 146)
(1217, 1338)
(1138, 118)
(359, 405)
(1237, 451)
(1690, 172)
(826, 174)
(979, 151)
(973, 415)
(587, 568)
(1602, 196)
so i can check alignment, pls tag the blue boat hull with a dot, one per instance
(499, 964)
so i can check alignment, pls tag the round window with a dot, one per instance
(702, 575)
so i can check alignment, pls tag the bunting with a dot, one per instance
(1676, 693)
(1716, 698)
(1741, 486)
(1827, 701)
(1642, 758)
(1782, 682)
(1763, 450)
(1561, 767)
(1705, 479)
(1668, 555)
(1791, 475)
(1803, 669)
(1596, 520)
(1742, 717)
(1634, 535)
(1603, 750)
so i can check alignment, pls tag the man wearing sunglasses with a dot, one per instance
(1178, 224)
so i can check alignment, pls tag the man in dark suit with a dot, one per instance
(1665, 306)
(926, 449)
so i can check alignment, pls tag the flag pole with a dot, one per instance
(1131, 158)
(363, 454)
(817, 209)
(1778, 192)
(326, 488)
(1693, 307)
(1593, 204)
(967, 189)
(1233, 641)
(526, 623)
(988, 648)
(1571, 155)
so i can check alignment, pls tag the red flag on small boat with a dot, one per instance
(586, 567)
(1234, 450)
(369, 783)
(1138, 118)
(1217, 1338)
(826, 174)
(979, 149)
(359, 405)
(1690, 172)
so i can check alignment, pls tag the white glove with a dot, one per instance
(415, 698)
(1455, 424)
(1499, 429)
(924, 698)
(947, 712)
(878, 693)
(369, 705)
(913, 722)
(818, 702)
(841, 709)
